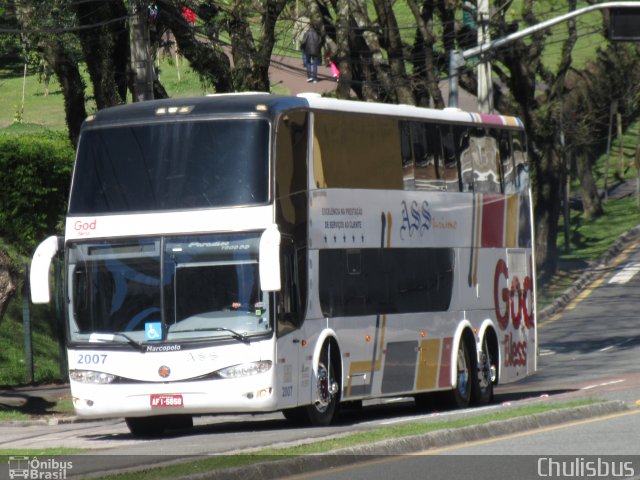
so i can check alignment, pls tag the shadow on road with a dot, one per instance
(395, 411)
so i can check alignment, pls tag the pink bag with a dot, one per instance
(334, 70)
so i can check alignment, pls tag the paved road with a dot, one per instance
(576, 449)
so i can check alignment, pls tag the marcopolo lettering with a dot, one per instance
(163, 348)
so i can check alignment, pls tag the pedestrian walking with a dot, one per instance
(299, 29)
(312, 45)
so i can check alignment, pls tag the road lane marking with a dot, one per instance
(615, 345)
(585, 293)
(438, 414)
(605, 384)
(626, 274)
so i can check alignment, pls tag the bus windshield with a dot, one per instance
(166, 289)
(171, 166)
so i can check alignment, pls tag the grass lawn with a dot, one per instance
(48, 110)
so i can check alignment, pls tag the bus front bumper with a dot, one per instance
(243, 395)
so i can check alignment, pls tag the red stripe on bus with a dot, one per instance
(492, 220)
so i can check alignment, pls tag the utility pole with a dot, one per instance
(141, 63)
(485, 85)
(457, 58)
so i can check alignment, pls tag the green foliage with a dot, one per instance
(46, 358)
(10, 46)
(35, 171)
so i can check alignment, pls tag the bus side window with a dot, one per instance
(421, 153)
(427, 152)
(289, 306)
(354, 151)
(468, 153)
(520, 161)
(408, 163)
(291, 172)
(486, 169)
(448, 142)
(506, 161)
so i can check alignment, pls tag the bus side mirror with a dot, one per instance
(39, 274)
(269, 254)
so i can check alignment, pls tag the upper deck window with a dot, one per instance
(171, 166)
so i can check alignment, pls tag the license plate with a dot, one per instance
(160, 400)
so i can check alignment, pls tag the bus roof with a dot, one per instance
(265, 104)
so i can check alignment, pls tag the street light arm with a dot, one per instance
(484, 48)
(457, 58)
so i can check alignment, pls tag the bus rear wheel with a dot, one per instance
(460, 396)
(484, 377)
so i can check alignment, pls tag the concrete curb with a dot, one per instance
(589, 275)
(402, 446)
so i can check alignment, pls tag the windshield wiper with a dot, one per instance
(238, 336)
(130, 341)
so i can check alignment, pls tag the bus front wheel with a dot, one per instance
(323, 410)
(156, 425)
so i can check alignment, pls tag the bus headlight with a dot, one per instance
(245, 369)
(89, 376)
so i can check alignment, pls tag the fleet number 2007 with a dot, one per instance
(91, 359)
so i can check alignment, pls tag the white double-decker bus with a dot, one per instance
(257, 253)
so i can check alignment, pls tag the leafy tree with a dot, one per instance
(48, 24)
(10, 47)
(105, 46)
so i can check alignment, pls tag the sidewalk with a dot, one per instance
(289, 74)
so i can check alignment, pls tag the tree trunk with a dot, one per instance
(106, 49)
(427, 88)
(8, 283)
(343, 52)
(378, 82)
(209, 60)
(591, 204)
(391, 38)
(65, 67)
(547, 194)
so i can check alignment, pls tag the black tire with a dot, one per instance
(322, 412)
(482, 384)
(178, 422)
(157, 425)
(460, 396)
(427, 402)
(296, 415)
(145, 426)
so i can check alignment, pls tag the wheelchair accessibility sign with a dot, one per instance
(153, 331)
